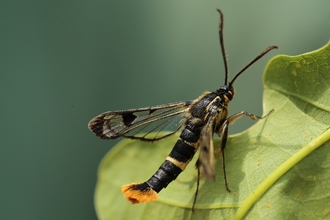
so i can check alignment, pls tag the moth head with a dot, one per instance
(227, 91)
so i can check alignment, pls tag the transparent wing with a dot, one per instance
(206, 154)
(146, 124)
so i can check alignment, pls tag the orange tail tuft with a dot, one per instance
(136, 193)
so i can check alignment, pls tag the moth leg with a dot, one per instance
(198, 178)
(224, 135)
(236, 116)
(223, 132)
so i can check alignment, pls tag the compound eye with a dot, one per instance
(229, 95)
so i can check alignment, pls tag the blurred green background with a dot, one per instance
(64, 62)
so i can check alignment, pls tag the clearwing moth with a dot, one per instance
(198, 120)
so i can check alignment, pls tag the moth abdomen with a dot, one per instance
(175, 163)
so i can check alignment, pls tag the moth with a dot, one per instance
(197, 120)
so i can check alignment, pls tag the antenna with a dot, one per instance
(251, 62)
(223, 47)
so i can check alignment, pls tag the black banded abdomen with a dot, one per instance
(177, 160)
(174, 164)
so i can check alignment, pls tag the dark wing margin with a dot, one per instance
(146, 124)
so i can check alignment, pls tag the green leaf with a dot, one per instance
(277, 169)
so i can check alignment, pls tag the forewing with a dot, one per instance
(147, 124)
(206, 154)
